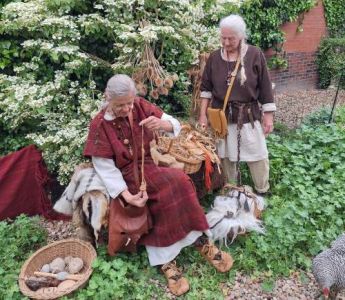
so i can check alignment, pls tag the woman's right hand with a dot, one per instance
(203, 121)
(138, 200)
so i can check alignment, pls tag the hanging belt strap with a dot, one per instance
(135, 155)
(233, 76)
(135, 150)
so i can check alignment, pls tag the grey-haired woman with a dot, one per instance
(250, 106)
(116, 137)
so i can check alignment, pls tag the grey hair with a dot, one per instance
(119, 85)
(235, 23)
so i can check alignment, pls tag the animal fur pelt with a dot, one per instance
(84, 229)
(234, 213)
(84, 179)
(91, 213)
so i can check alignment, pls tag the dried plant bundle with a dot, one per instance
(192, 144)
(154, 94)
(168, 82)
(150, 75)
(142, 89)
(195, 75)
(163, 91)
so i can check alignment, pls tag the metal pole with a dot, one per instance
(336, 96)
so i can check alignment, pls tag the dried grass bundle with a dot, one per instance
(149, 74)
(192, 145)
(154, 94)
(195, 75)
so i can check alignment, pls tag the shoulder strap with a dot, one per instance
(135, 150)
(233, 76)
(135, 155)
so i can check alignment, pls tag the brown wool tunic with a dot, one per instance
(257, 87)
(172, 202)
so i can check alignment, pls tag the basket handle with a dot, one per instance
(170, 145)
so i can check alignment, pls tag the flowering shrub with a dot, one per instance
(65, 52)
(57, 55)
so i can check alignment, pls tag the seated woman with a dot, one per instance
(178, 218)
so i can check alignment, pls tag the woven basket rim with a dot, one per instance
(179, 157)
(56, 294)
(192, 168)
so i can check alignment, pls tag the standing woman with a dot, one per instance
(252, 88)
(114, 143)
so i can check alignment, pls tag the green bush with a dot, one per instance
(56, 56)
(306, 212)
(18, 240)
(319, 117)
(264, 19)
(331, 61)
(335, 16)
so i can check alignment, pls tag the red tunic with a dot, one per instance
(173, 203)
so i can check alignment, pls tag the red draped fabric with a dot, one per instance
(23, 178)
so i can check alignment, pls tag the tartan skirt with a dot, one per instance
(173, 205)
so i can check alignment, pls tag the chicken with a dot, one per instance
(329, 268)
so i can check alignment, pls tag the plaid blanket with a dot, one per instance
(24, 181)
(173, 205)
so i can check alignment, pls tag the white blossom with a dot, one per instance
(62, 103)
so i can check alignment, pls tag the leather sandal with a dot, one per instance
(221, 260)
(177, 284)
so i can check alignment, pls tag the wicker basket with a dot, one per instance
(63, 248)
(191, 165)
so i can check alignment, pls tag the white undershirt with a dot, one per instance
(252, 144)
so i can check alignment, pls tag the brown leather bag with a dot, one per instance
(216, 116)
(217, 119)
(127, 223)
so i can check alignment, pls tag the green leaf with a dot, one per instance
(268, 286)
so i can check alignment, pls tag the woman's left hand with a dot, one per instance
(154, 123)
(267, 122)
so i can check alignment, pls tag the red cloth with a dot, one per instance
(23, 177)
(173, 203)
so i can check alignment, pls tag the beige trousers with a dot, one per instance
(258, 169)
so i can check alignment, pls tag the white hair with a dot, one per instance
(119, 85)
(235, 23)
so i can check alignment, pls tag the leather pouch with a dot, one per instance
(127, 223)
(218, 122)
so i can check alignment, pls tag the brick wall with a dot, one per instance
(300, 49)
